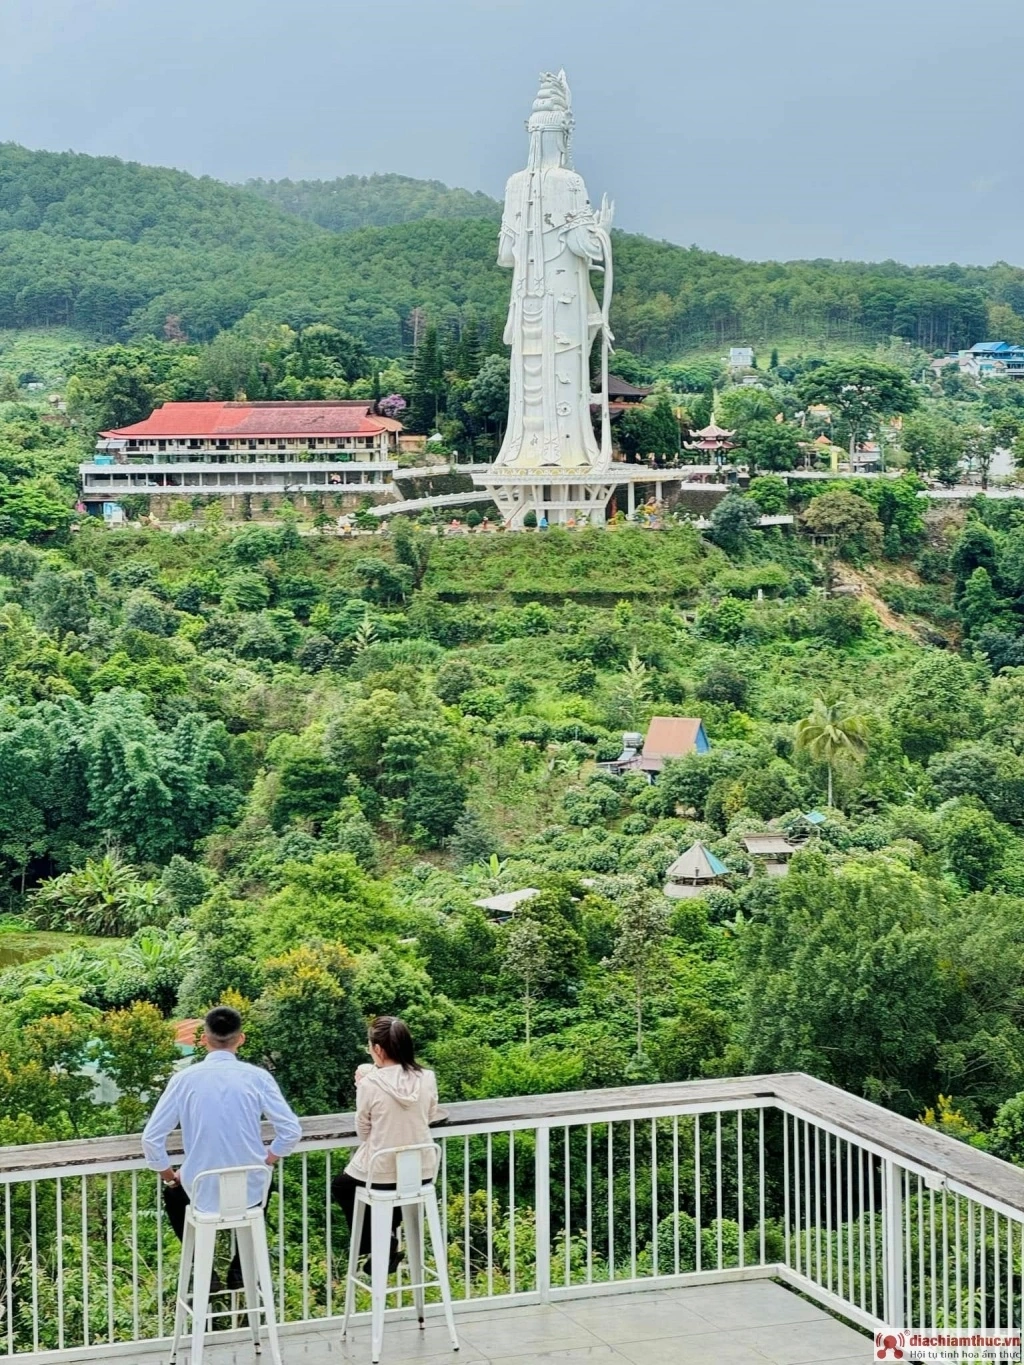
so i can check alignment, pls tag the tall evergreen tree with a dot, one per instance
(664, 429)
(469, 356)
(427, 389)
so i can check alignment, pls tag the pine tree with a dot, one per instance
(427, 387)
(469, 357)
(664, 429)
(450, 347)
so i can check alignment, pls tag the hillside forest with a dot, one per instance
(268, 765)
(120, 251)
(262, 764)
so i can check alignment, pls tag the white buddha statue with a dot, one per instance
(551, 238)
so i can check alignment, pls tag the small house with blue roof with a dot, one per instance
(992, 359)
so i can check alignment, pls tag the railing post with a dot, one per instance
(892, 1244)
(542, 1213)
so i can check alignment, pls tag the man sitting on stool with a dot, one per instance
(218, 1106)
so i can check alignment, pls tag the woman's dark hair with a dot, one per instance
(393, 1036)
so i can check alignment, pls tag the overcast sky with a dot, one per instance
(795, 128)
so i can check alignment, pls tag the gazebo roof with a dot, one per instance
(697, 864)
(713, 432)
(708, 444)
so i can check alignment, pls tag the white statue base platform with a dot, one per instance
(556, 496)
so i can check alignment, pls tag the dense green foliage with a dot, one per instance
(120, 250)
(355, 201)
(281, 769)
(232, 749)
(264, 759)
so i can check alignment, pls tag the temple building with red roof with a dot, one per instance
(335, 446)
(712, 440)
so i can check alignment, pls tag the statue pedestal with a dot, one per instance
(558, 496)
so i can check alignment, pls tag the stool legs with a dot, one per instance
(184, 1275)
(414, 1252)
(380, 1215)
(261, 1255)
(250, 1283)
(355, 1241)
(205, 1240)
(380, 1243)
(197, 1248)
(440, 1251)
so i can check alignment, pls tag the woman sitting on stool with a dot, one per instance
(396, 1101)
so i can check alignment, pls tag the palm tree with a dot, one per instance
(834, 728)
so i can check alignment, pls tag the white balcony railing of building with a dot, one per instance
(302, 450)
(876, 1218)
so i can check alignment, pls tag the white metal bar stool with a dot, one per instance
(412, 1196)
(197, 1245)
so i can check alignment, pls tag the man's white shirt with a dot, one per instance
(219, 1104)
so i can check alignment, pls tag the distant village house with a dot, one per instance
(985, 360)
(773, 850)
(667, 737)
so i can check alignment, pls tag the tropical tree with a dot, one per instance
(770, 445)
(526, 959)
(632, 690)
(306, 1025)
(732, 522)
(835, 729)
(979, 445)
(428, 384)
(137, 1052)
(859, 392)
(846, 522)
(642, 927)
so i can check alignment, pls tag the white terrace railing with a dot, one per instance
(556, 1196)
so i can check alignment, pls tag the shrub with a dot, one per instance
(745, 582)
(724, 684)
(839, 620)
(726, 621)
(105, 896)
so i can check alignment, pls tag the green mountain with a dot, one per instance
(101, 199)
(118, 251)
(356, 201)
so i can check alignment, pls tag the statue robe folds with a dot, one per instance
(551, 238)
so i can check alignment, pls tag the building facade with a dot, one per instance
(985, 360)
(185, 450)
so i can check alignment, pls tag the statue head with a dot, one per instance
(550, 122)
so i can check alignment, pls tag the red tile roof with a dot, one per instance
(352, 418)
(186, 1031)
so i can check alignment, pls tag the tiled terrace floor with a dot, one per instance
(750, 1323)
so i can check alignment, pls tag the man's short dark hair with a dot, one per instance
(222, 1024)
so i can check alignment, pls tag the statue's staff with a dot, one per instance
(607, 337)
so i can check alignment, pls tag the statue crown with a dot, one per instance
(553, 106)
